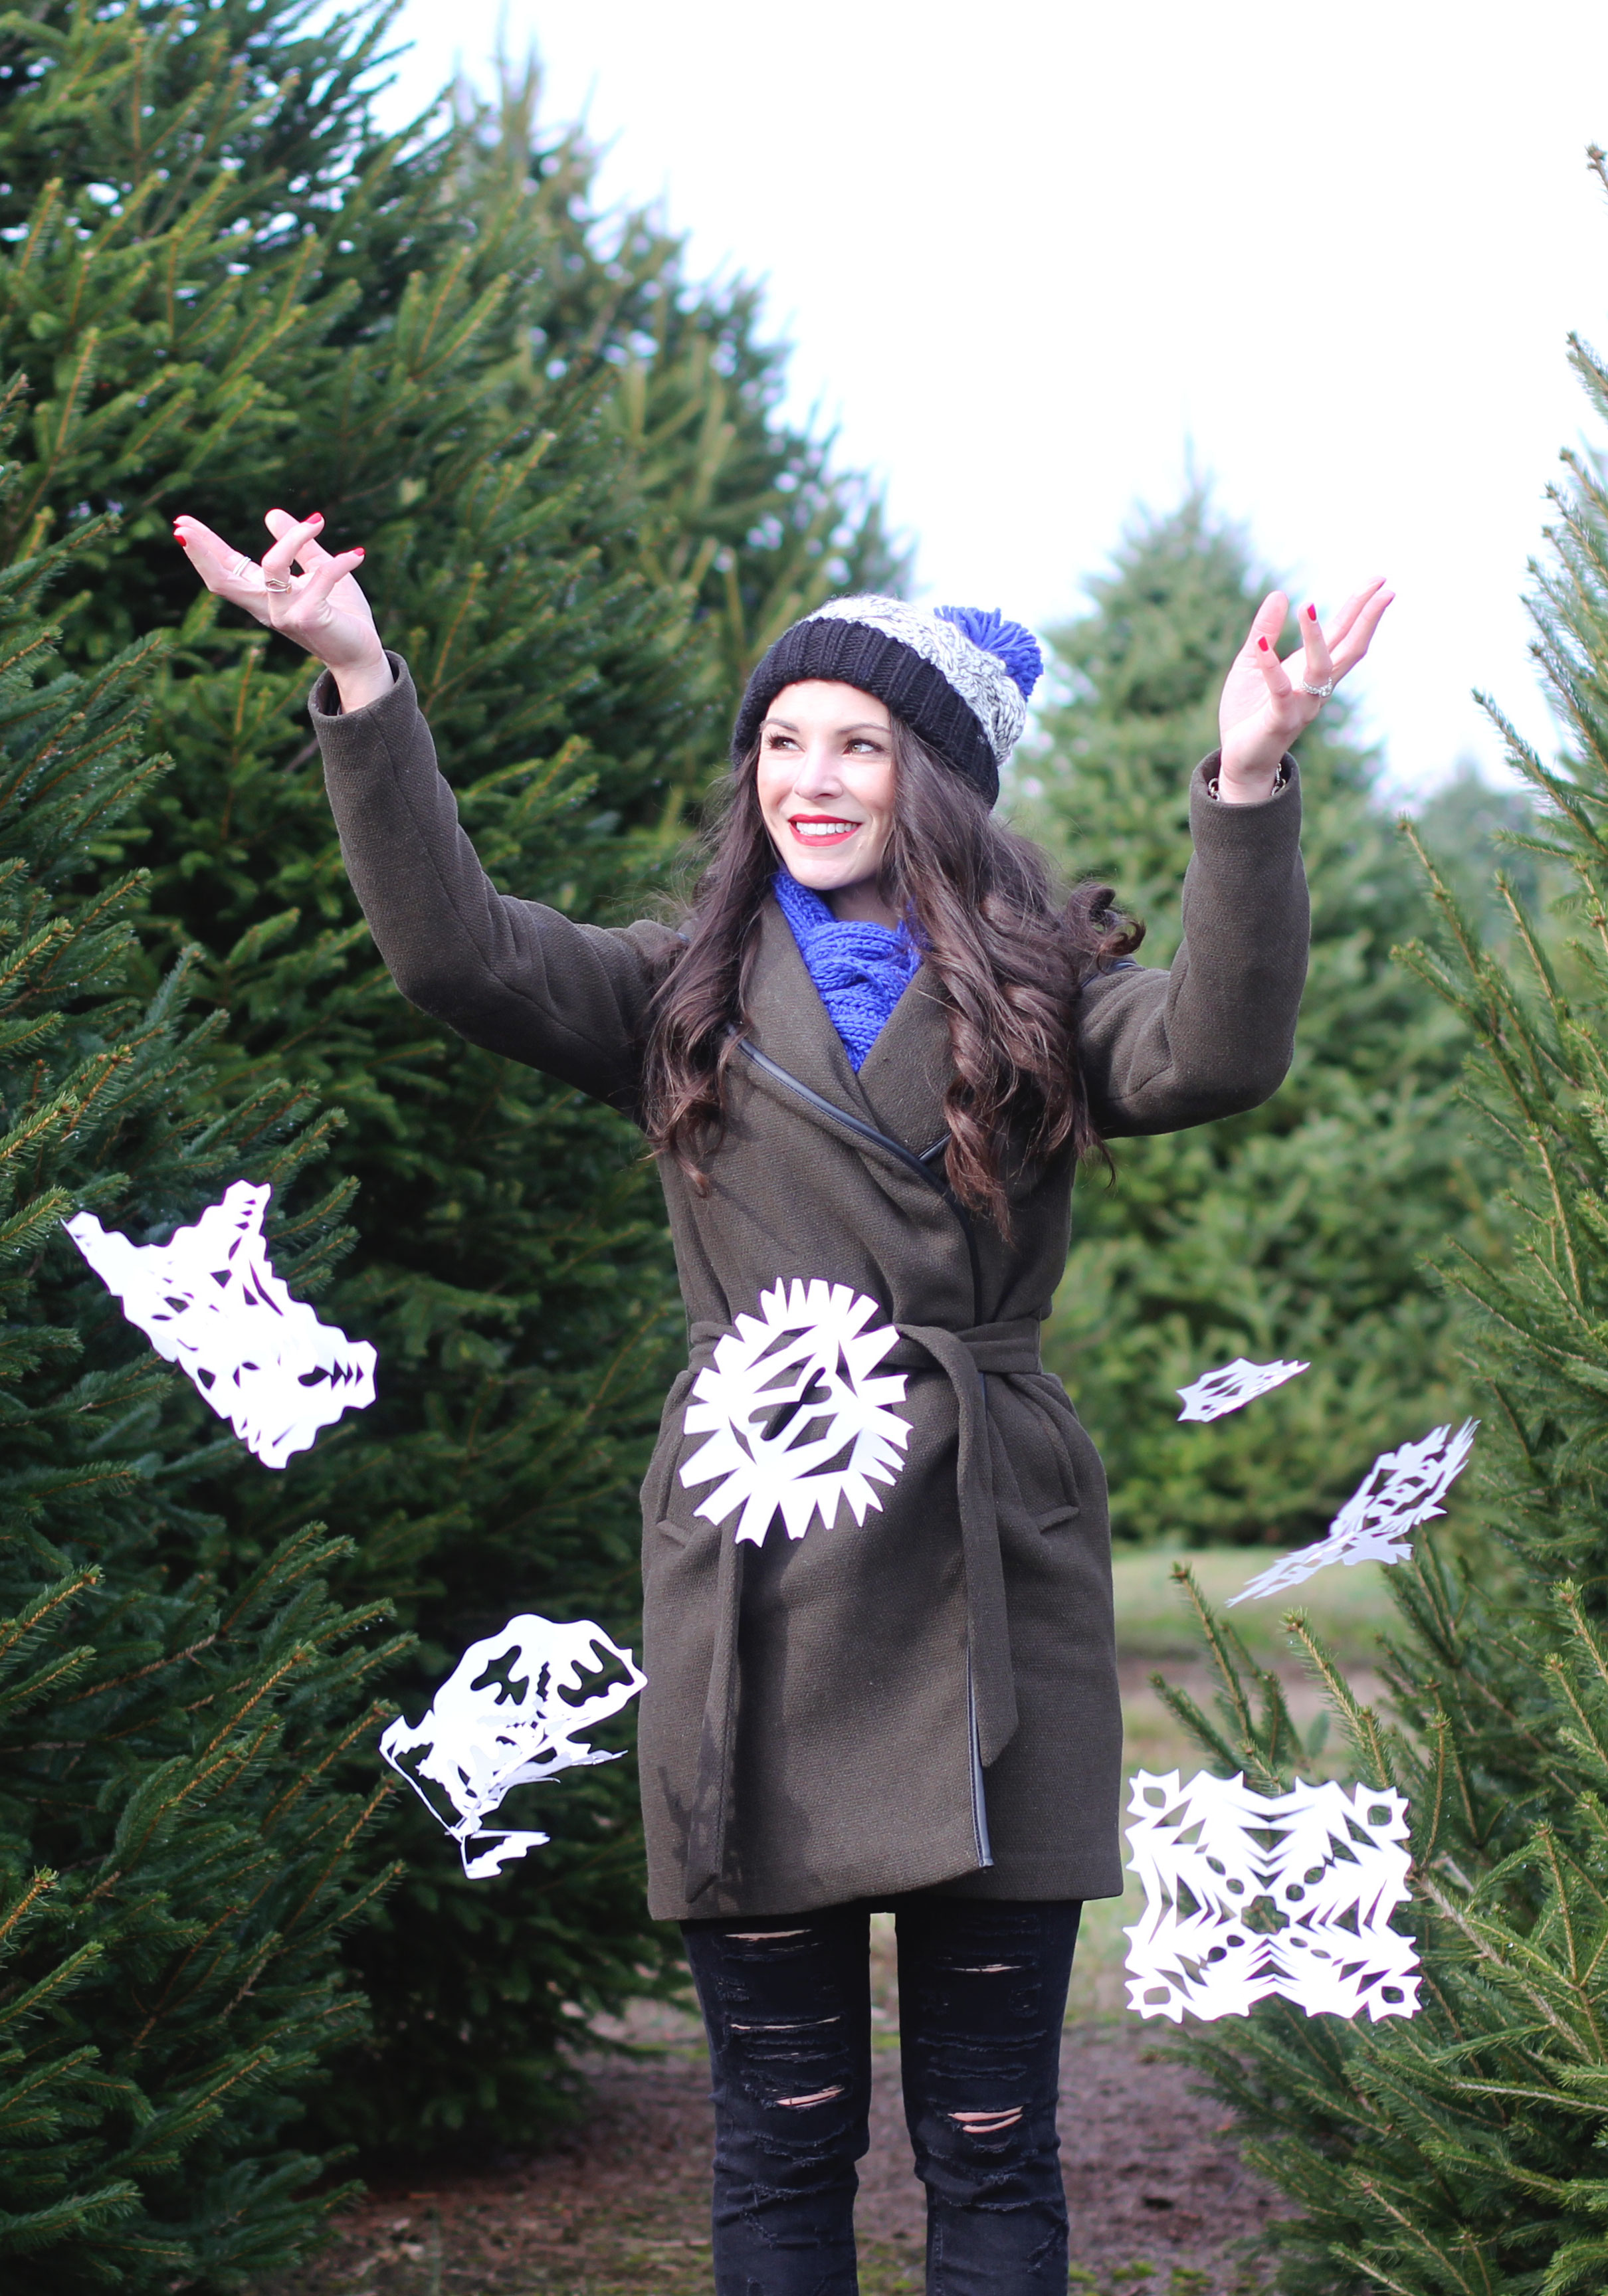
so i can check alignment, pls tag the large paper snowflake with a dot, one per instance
(504, 1717)
(1248, 1895)
(796, 1419)
(1234, 1385)
(211, 1302)
(1400, 1490)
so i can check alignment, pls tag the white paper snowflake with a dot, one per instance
(211, 1302)
(795, 1420)
(1248, 1895)
(1400, 1490)
(1237, 1384)
(503, 1718)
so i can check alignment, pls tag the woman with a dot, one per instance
(878, 1620)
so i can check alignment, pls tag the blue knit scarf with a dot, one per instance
(861, 970)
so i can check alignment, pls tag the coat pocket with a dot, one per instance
(659, 1483)
(1039, 1445)
(664, 1545)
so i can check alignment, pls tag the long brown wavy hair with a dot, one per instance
(1009, 952)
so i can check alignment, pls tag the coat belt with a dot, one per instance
(965, 1358)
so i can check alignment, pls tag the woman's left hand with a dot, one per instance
(1264, 709)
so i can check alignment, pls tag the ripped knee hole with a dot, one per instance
(988, 2124)
(821, 2096)
(778, 2025)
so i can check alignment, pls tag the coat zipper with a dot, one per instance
(921, 1164)
(979, 1807)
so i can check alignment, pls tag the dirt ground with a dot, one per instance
(1160, 2204)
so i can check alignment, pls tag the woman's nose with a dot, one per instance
(817, 775)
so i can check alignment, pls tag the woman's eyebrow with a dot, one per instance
(860, 726)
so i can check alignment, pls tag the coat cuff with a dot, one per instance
(1270, 825)
(346, 736)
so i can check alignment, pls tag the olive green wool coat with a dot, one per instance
(920, 1689)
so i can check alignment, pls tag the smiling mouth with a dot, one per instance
(821, 828)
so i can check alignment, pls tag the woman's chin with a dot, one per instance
(825, 880)
(827, 873)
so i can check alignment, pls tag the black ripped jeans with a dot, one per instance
(787, 2003)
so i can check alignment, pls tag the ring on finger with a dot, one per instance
(1318, 693)
(271, 582)
(248, 572)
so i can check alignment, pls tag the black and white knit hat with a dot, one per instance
(958, 676)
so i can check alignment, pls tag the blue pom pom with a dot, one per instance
(1007, 642)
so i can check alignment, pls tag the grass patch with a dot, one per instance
(1348, 1605)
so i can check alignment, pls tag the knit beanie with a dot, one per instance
(958, 676)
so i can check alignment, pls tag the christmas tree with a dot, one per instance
(1463, 2149)
(584, 515)
(178, 1859)
(1296, 1231)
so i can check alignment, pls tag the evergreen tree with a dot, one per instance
(178, 1859)
(584, 516)
(1296, 1231)
(1470, 824)
(1463, 2150)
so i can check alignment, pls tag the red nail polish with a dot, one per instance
(359, 552)
(1263, 644)
(314, 518)
(1312, 613)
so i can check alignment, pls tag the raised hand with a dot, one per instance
(321, 608)
(1268, 704)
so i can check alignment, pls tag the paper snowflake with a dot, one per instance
(795, 1420)
(503, 1718)
(1248, 1895)
(1216, 1392)
(211, 1302)
(1400, 1490)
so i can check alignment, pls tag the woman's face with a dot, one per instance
(826, 784)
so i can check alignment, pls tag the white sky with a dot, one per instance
(1030, 256)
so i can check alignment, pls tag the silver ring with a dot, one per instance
(1318, 693)
(269, 582)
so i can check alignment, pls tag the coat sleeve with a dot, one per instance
(512, 975)
(1214, 1034)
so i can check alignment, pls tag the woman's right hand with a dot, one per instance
(321, 608)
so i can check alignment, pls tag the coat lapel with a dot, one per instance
(900, 1089)
(789, 1021)
(907, 1070)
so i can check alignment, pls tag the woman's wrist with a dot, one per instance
(360, 683)
(1247, 786)
(1240, 785)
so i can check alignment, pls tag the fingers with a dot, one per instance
(1268, 621)
(305, 607)
(1262, 644)
(1317, 665)
(321, 608)
(281, 525)
(1342, 622)
(292, 537)
(1351, 632)
(224, 570)
(326, 571)
(1371, 604)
